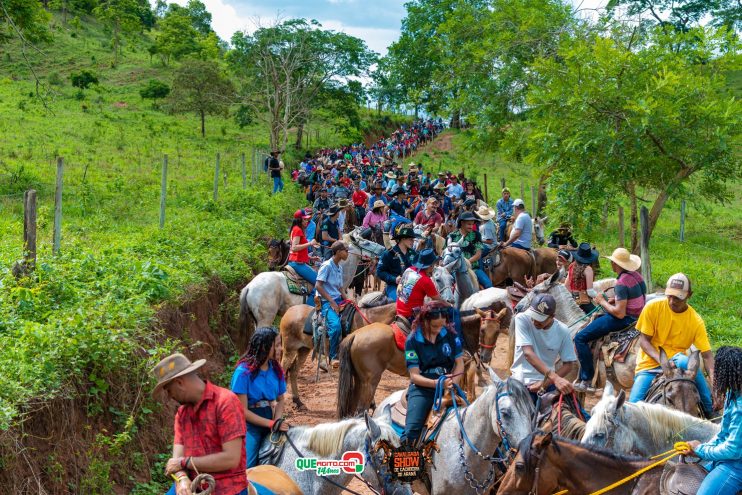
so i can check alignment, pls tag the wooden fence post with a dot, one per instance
(253, 166)
(682, 221)
(58, 207)
(216, 178)
(502, 182)
(620, 226)
(163, 191)
(486, 190)
(644, 245)
(29, 229)
(244, 172)
(533, 200)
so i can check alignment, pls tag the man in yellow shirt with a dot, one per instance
(671, 324)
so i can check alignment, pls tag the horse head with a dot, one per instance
(366, 246)
(444, 282)
(513, 411)
(677, 388)
(606, 427)
(492, 323)
(276, 251)
(377, 441)
(524, 476)
(538, 228)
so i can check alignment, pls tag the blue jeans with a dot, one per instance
(725, 478)
(482, 278)
(172, 491)
(277, 184)
(305, 272)
(391, 292)
(603, 325)
(503, 224)
(643, 380)
(255, 435)
(332, 321)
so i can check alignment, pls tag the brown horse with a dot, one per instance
(369, 351)
(562, 414)
(297, 345)
(517, 265)
(272, 478)
(546, 464)
(278, 254)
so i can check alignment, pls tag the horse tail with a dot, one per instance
(511, 345)
(347, 381)
(247, 321)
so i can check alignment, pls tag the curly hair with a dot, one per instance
(258, 350)
(728, 371)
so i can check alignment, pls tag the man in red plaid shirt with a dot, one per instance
(209, 429)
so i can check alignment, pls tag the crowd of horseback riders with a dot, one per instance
(445, 298)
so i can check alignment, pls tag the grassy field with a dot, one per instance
(711, 254)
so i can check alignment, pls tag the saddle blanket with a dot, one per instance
(399, 337)
(300, 288)
(259, 489)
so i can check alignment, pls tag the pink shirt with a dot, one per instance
(372, 219)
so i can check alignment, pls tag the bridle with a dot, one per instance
(660, 391)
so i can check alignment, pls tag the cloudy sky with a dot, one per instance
(375, 21)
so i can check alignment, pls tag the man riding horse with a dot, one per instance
(470, 242)
(330, 287)
(396, 260)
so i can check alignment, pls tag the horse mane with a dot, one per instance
(326, 439)
(520, 395)
(662, 421)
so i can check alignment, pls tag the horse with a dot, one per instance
(546, 464)
(267, 295)
(272, 478)
(561, 414)
(498, 419)
(369, 351)
(641, 428)
(538, 228)
(278, 253)
(331, 441)
(455, 263)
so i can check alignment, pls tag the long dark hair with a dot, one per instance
(257, 352)
(297, 222)
(423, 317)
(728, 371)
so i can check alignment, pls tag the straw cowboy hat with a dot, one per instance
(172, 367)
(390, 175)
(378, 204)
(625, 260)
(485, 212)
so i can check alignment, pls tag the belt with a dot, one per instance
(258, 404)
(440, 370)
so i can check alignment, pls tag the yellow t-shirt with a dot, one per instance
(671, 331)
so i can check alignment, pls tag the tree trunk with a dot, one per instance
(203, 123)
(631, 189)
(299, 135)
(417, 111)
(456, 119)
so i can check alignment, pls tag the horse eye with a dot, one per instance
(507, 413)
(519, 466)
(600, 435)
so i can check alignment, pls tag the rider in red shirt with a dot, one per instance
(416, 284)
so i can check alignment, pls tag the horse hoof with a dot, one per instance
(300, 405)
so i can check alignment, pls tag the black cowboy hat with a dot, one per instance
(425, 258)
(465, 217)
(585, 254)
(403, 232)
(334, 210)
(399, 190)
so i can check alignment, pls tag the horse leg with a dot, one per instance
(298, 363)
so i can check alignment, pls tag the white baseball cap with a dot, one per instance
(519, 202)
(678, 285)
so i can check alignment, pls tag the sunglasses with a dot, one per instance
(438, 313)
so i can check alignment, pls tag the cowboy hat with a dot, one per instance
(585, 254)
(425, 258)
(485, 212)
(378, 204)
(343, 203)
(625, 260)
(467, 216)
(334, 210)
(172, 367)
(390, 175)
(403, 232)
(440, 185)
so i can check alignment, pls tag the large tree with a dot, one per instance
(284, 67)
(176, 37)
(628, 115)
(683, 14)
(200, 86)
(23, 19)
(122, 17)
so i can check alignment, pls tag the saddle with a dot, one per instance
(681, 478)
(492, 260)
(517, 291)
(272, 453)
(432, 424)
(401, 329)
(295, 283)
(347, 313)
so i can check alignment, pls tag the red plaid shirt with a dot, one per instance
(203, 428)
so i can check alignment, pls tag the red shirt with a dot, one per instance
(422, 218)
(203, 428)
(298, 256)
(413, 288)
(359, 197)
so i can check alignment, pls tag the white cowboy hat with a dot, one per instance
(390, 175)
(378, 204)
(625, 260)
(485, 212)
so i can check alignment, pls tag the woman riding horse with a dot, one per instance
(432, 351)
(299, 256)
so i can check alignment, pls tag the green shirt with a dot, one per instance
(470, 243)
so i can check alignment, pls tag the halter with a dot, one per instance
(655, 395)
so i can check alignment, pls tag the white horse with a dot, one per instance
(455, 263)
(267, 295)
(499, 418)
(641, 429)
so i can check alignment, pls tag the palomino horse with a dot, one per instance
(546, 464)
(641, 429)
(331, 441)
(267, 295)
(498, 419)
(297, 345)
(367, 352)
(272, 478)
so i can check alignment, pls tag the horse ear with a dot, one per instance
(481, 313)
(372, 427)
(608, 390)
(668, 367)
(694, 362)
(544, 219)
(494, 376)
(554, 278)
(619, 401)
(544, 441)
(503, 312)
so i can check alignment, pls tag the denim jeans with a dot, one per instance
(305, 272)
(332, 321)
(482, 278)
(503, 224)
(643, 380)
(725, 478)
(419, 403)
(255, 435)
(277, 184)
(603, 325)
(391, 292)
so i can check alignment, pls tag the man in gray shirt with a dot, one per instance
(522, 232)
(540, 341)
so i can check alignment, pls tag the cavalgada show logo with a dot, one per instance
(350, 463)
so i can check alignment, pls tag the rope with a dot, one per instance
(353, 303)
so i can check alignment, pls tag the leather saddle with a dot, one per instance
(615, 346)
(681, 478)
(296, 284)
(517, 291)
(347, 313)
(435, 419)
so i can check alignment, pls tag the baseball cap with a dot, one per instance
(519, 202)
(678, 285)
(301, 214)
(542, 307)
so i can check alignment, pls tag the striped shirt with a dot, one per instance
(630, 286)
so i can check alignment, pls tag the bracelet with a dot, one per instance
(183, 462)
(272, 422)
(189, 460)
